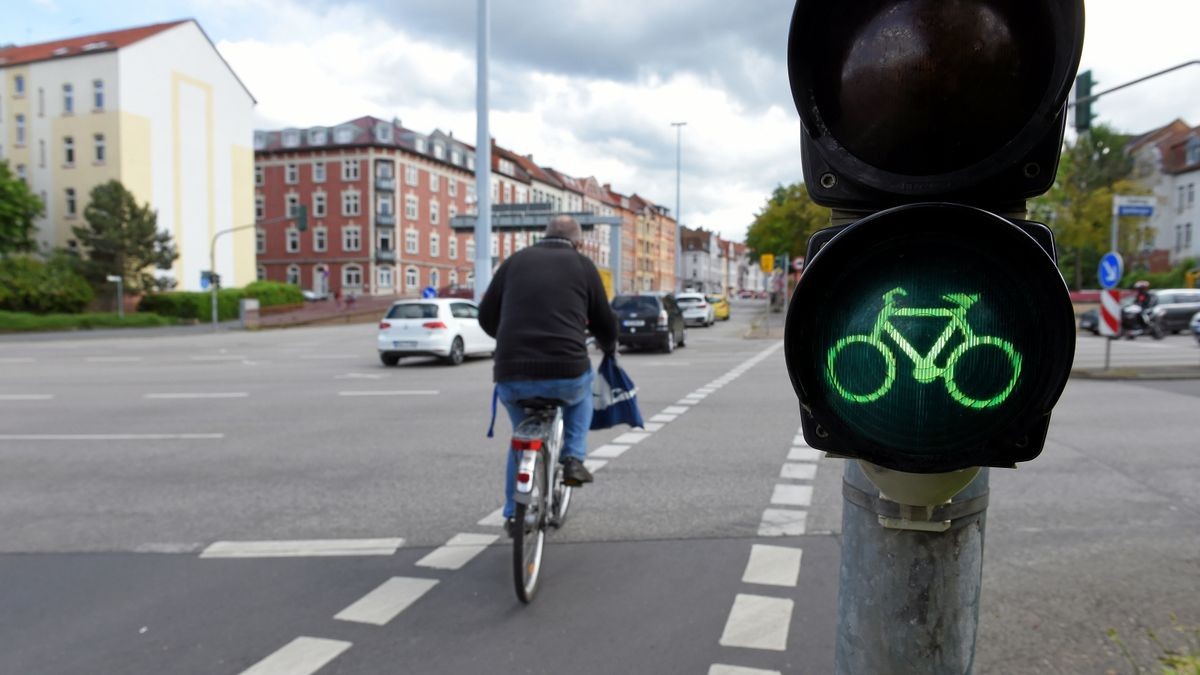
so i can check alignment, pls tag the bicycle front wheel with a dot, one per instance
(889, 366)
(1013, 358)
(529, 534)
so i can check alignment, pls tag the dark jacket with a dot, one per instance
(539, 307)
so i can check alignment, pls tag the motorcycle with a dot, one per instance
(1137, 321)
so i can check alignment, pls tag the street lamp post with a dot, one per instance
(212, 264)
(483, 160)
(678, 215)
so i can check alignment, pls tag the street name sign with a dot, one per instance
(1133, 205)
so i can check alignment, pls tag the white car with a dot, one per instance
(696, 309)
(444, 327)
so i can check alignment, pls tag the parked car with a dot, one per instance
(313, 296)
(720, 306)
(649, 320)
(1090, 321)
(456, 291)
(696, 309)
(1196, 326)
(1172, 308)
(447, 328)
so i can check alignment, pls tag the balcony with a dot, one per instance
(385, 255)
(385, 218)
(386, 183)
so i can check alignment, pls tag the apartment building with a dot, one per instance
(155, 107)
(1167, 160)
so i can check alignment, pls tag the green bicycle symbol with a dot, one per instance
(925, 369)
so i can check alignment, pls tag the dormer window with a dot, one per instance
(318, 136)
(1193, 151)
(61, 51)
(456, 157)
(383, 132)
(422, 145)
(93, 46)
(439, 151)
(471, 162)
(506, 167)
(260, 140)
(344, 135)
(291, 138)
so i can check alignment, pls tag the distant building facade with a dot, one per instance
(1167, 160)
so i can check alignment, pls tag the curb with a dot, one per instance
(1138, 373)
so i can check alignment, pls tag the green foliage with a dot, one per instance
(18, 209)
(121, 237)
(1170, 279)
(274, 293)
(18, 322)
(30, 285)
(786, 221)
(1180, 657)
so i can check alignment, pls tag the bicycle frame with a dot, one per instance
(925, 368)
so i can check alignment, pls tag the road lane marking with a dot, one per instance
(398, 392)
(652, 426)
(706, 390)
(302, 656)
(196, 395)
(493, 519)
(218, 357)
(631, 437)
(804, 454)
(387, 601)
(459, 551)
(799, 441)
(792, 495)
(26, 397)
(663, 418)
(674, 410)
(113, 359)
(17, 359)
(798, 471)
(594, 464)
(782, 523)
(773, 565)
(111, 437)
(609, 451)
(361, 376)
(302, 548)
(684, 402)
(722, 669)
(331, 357)
(168, 547)
(758, 622)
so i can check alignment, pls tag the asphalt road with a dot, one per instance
(145, 480)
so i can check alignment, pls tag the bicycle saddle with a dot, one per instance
(539, 403)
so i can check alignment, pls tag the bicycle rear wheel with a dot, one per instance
(529, 534)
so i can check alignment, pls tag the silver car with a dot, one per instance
(696, 309)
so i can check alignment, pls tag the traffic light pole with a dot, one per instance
(908, 600)
(212, 263)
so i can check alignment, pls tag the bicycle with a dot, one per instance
(541, 500)
(925, 368)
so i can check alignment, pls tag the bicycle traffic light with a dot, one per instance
(1083, 110)
(932, 330)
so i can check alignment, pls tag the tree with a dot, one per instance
(786, 221)
(18, 209)
(122, 238)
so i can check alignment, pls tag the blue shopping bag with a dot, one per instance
(614, 397)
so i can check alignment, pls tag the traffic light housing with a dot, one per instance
(1083, 107)
(931, 330)
(302, 218)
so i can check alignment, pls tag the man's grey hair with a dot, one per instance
(565, 227)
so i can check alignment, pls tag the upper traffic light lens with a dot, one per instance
(924, 87)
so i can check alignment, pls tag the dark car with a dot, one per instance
(1172, 308)
(649, 320)
(1090, 321)
(1196, 326)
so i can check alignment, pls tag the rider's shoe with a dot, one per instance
(510, 527)
(575, 473)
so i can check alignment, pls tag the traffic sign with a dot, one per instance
(798, 265)
(1133, 205)
(114, 278)
(429, 292)
(1111, 269)
(205, 279)
(1110, 313)
(767, 261)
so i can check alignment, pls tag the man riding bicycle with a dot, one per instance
(540, 305)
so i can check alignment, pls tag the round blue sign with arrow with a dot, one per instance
(1111, 268)
(429, 292)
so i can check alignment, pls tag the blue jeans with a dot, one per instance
(577, 418)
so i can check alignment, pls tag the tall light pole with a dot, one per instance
(483, 160)
(678, 215)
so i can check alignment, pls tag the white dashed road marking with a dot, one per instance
(493, 519)
(660, 418)
(387, 601)
(792, 495)
(609, 451)
(594, 465)
(301, 656)
(722, 669)
(408, 392)
(805, 471)
(803, 455)
(758, 622)
(111, 437)
(631, 438)
(302, 548)
(782, 523)
(460, 550)
(26, 397)
(773, 565)
(196, 395)
(113, 359)
(674, 410)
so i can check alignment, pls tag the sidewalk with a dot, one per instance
(326, 312)
(766, 326)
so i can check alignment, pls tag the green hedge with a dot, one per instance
(30, 285)
(1171, 279)
(273, 293)
(198, 305)
(16, 322)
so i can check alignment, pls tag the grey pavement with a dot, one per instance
(121, 460)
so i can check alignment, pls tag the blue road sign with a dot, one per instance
(204, 280)
(429, 292)
(1135, 210)
(1111, 268)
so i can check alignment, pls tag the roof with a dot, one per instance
(84, 44)
(362, 134)
(568, 182)
(499, 153)
(1172, 142)
(535, 172)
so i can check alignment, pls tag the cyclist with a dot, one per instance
(540, 305)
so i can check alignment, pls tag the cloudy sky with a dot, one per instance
(591, 87)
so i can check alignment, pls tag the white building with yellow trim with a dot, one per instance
(155, 107)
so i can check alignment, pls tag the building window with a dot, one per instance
(471, 248)
(41, 153)
(384, 205)
(384, 275)
(291, 205)
(68, 99)
(435, 182)
(421, 145)
(318, 205)
(352, 276)
(262, 273)
(350, 170)
(98, 94)
(318, 172)
(1179, 202)
(1187, 237)
(260, 241)
(507, 193)
(495, 245)
(41, 102)
(412, 176)
(291, 138)
(320, 239)
(351, 238)
(258, 175)
(385, 239)
(434, 279)
(351, 204)
(506, 166)
(452, 187)
(1191, 194)
(412, 244)
(411, 207)
(455, 157)
(99, 140)
(435, 245)
(293, 240)
(435, 214)
(69, 151)
(293, 275)
(22, 175)
(453, 277)
(291, 174)
(452, 246)
(439, 151)
(507, 245)
(410, 278)
(260, 207)
(20, 131)
(72, 207)
(451, 211)
(19, 85)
